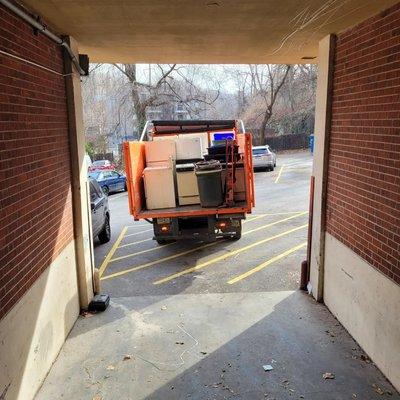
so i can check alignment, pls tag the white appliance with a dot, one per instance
(159, 186)
(158, 176)
(166, 137)
(160, 152)
(203, 136)
(188, 148)
(188, 192)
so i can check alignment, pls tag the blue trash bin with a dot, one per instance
(311, 143)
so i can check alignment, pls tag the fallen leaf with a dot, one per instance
(97, 397)
(378, 389)
(163, 307)
(203, 352)
(86, 314)
(110, 367)
(365, 358)
(127, 357)
(328, 375)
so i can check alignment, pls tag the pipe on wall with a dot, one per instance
(43, 29)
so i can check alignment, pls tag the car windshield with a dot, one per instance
(95, 175)
(260, 152)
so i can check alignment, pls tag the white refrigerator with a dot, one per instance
(158, 176)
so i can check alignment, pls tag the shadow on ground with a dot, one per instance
(214, 346)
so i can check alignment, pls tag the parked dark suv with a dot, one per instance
(100, 212)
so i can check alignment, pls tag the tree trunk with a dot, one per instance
(141, 119)
(263, 126)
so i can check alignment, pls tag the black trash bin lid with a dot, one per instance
(210, 165)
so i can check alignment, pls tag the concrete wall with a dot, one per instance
(45, 235)
(32, 333)
(320, 165)
(366, 303)
(357, 254)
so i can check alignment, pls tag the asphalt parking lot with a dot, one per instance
(201, 320)
(273, 235)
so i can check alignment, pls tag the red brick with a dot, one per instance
(363, 194)
(35, 179)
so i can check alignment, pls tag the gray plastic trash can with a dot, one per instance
(208, 175)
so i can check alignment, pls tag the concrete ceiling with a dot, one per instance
(203, 31)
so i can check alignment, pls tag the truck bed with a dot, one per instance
(135, 163)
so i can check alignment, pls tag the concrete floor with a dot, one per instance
(201, 335)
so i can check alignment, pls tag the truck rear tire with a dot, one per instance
(164, 241)
(238, 234)
(105, 234)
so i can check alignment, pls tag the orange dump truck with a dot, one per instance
(191, 179)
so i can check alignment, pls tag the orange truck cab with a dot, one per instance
(173, 168)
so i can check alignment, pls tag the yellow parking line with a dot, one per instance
(141, 252)
(133, 243)
(114, 247)
(227, 255)
(138, 233)
(274, 223)
(149, 264)
(266, 263)
(160, 260)
(279, 175)
(270, 214)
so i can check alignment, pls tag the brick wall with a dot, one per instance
(363, 201)
(35, 193)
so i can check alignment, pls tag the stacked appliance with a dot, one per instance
(158, 176)
(188, 151)
(169, 174)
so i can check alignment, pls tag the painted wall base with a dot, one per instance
(366, 303)
(32, 333)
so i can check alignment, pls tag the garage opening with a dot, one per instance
(275, 103)
(197, 318)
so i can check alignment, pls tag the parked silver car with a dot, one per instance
(263, 158)
(100, 212)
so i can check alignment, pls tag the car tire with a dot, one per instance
(271, 168)
(105, 234)
(106, 190)
(125, 188)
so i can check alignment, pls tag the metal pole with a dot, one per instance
(43, 29)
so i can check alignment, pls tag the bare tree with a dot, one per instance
(145, 95)
(267, 83)
(195, 89)
(119, 98)
(174, 84)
